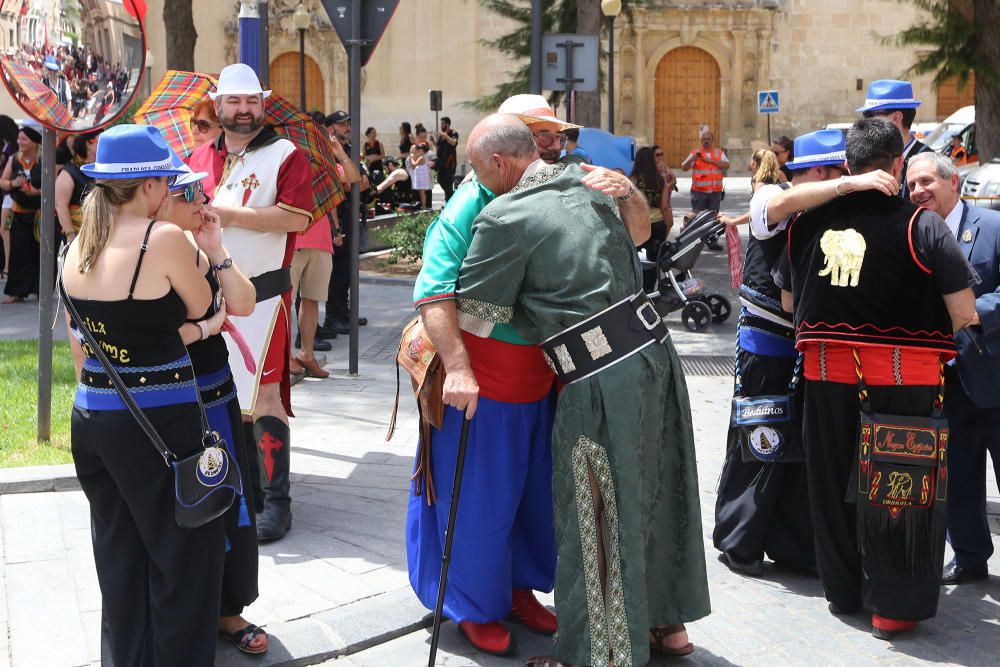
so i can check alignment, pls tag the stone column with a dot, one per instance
(638, 109)
(735, 122)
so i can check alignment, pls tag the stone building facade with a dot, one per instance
(688, 64)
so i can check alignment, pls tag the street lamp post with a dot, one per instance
(611, 9)
(301, 21)
(149, 72)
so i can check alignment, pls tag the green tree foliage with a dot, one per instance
(964, 37)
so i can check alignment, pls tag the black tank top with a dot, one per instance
(25, 201)
(81, 183)
(211, 354)
(758, 286)
(140, 338)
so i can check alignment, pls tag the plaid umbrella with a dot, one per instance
(171, 105)
(35, 96)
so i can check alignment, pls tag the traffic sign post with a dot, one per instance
(768, 103)
(569, 62)
(359, 24)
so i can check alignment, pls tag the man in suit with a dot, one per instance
(894, 101)
(972, 403)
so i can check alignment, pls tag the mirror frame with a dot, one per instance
(110, 119)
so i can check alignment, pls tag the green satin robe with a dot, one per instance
(543, 257)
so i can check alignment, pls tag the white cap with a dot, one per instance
(239, 79)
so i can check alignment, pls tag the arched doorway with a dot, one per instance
(688, 95)
(285, 81)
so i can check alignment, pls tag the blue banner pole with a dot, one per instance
(249, 39)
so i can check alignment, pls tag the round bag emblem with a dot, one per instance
(213, 465)
(765, 443)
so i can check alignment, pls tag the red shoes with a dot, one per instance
(887, 628)
(493, 638)
(528, 611)
(490, 638)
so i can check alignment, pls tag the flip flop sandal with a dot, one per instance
(241, 639)
(656, 645)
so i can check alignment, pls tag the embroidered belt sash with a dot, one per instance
(604, 339)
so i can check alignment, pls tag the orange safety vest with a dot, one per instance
(706, 177)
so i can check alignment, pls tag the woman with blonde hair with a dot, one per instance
(134, 283)
(186, 206)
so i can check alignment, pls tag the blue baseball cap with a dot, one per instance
(134, 151)
(889, 94)
(819, 148)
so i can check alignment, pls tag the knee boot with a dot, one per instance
(254, 470)
(273, 444)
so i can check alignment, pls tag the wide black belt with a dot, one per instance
(272, 283)
(604, 339)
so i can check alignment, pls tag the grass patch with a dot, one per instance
(19, 404)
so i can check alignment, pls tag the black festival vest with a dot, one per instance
(858, 279)
(758, 285)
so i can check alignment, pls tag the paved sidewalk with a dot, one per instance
(335, 590)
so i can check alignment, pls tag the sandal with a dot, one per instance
(658, 635)
(544, 661)
(241, 639)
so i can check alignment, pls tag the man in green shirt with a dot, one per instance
(552, 257)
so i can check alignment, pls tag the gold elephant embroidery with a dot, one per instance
(844, 252)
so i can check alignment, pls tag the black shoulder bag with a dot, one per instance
(205, 483)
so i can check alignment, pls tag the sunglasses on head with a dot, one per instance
(203, 125)
(192, 192)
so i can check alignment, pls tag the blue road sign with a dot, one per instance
(767, 101)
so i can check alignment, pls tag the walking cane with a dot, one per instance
(449, 537)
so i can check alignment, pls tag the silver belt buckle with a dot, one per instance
(649, 324)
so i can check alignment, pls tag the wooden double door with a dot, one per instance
(688, 97)
(285, 81)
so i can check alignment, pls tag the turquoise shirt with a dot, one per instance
(445, 247)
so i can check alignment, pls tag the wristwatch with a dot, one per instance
(228, 263)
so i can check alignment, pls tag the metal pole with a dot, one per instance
(611, 74)
(302, 70)
(535, 68)
(768, 129)
(46, 284)
(569, 80)
(264, 67)
(354, 56)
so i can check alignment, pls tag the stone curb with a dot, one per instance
(337, 632)
(377, 279)
(38, 479)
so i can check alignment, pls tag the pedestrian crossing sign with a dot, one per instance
(767, 101)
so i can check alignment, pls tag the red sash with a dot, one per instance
(508, 373)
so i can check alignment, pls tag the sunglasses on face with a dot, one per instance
(203, 125)
(191, 193)
(547, 137)
(657, 154)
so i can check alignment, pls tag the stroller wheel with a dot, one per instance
(696, 315)
(720, 306)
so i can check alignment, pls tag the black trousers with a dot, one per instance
(762, 508)
(160, 584)
(975, 431)
(338, 304)
(446, 179)
(830, 431)
(239, 577)
(22, 278)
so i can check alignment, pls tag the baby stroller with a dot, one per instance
(676, 288)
